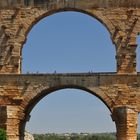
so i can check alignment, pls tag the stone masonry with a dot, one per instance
(119, 91)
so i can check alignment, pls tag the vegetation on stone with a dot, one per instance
(74, 136)
(99, 136)
(2, 134)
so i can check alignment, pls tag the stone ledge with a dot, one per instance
(82, 3)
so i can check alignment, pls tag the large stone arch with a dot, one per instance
(30, 101)
(122, 21)
(98, 15)
(102, 22)
(22, 22)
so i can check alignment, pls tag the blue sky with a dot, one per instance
(69, 42)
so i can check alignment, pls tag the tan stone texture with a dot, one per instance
(120, 91)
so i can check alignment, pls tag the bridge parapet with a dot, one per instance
(70, 3)
(94, 79)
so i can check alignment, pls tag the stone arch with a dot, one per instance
(39, 15)
(23, 19)
(89, 38)
(32, 101)
(98, 15)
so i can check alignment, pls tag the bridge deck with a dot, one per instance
(88, 79)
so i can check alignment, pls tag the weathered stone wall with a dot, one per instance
(111, 88)
(89, 3)
(22, 92)
(122, 23)
(126, 122)
(119, 91)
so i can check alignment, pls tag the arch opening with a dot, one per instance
(70, 42)
(70, 111)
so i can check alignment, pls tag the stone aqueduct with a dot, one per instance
(120, 91)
